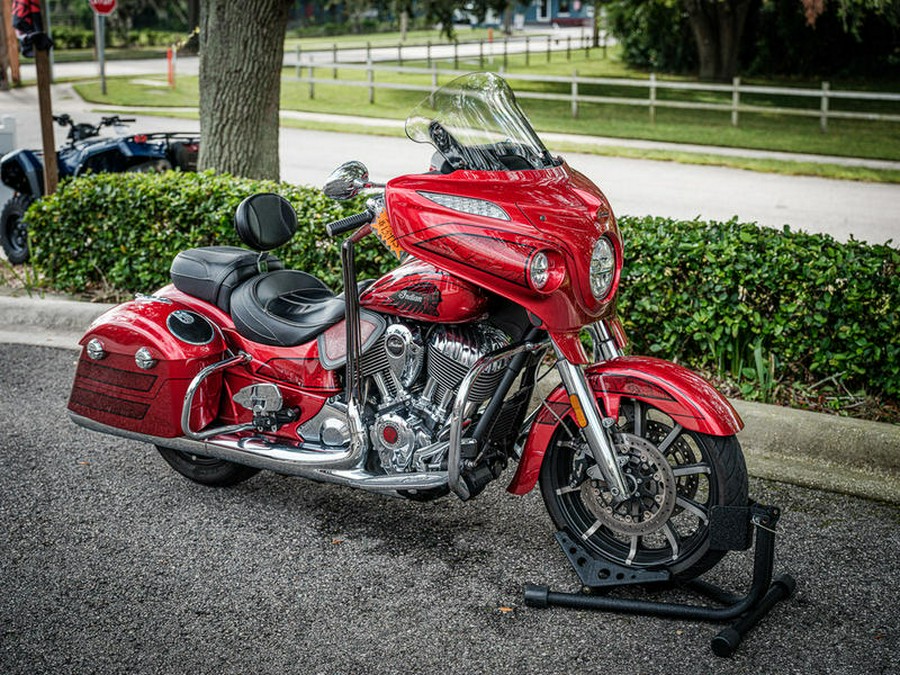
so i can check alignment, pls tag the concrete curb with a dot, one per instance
(825, 452)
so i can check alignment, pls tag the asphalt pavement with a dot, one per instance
(112, 563)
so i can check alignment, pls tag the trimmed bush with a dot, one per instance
(718, 296)
(711, 294)
(120, 232)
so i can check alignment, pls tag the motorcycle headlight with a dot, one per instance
(603, 268)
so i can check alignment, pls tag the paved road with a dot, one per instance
(110, 562)
(636, 187)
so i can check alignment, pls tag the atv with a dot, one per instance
(85, 152)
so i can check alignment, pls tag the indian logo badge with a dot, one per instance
(422, 297)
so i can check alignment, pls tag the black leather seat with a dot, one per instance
(268, 304)
(284, 308)
(212, 273)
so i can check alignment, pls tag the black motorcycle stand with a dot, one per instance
(731, 528)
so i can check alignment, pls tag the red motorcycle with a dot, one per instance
(419, 383)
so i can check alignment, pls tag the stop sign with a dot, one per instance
(103, 7)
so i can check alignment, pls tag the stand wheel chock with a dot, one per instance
(731, 528)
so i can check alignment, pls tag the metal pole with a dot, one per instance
(527, 55)
(334, 57)
(100, 37)
(370, 75)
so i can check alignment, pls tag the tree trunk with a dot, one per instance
(717, 26)
(404, 25)
(241, 55)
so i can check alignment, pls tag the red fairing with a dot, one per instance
(686, 397)
(556, 211)
(419, 290)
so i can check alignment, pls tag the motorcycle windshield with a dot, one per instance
(475, 123)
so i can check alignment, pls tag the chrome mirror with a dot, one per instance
(347, 181)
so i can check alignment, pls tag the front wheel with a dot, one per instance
(207, 470)
(13, 229)
(676, 477)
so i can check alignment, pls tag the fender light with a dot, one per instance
(144, 359)
(546, 271)
(475, 207)
(95, 349)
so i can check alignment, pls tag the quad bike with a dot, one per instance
(85, 152)
(420, 383)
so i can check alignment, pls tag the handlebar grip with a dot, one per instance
(349, 223)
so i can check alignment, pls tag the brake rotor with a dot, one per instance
(652, 485)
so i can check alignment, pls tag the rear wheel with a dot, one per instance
(13, 229)
(676, 475)
(206, 470)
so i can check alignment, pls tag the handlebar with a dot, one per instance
(114, 120)
(349, 223)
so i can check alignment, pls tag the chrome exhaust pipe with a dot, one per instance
(323, 467)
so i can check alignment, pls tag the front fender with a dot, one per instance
(683, 395)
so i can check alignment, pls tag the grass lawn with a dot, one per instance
(764, 131)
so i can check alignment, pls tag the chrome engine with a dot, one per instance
(412, 375)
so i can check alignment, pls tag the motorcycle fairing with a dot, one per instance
(555, 210)
(683, 395)
(23, 171)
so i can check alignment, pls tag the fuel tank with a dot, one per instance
(418, 290)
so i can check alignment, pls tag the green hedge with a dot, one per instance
(720, 296)
(119, 232)
(712, 294)
(71, 37)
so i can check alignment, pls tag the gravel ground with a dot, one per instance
(110, 562)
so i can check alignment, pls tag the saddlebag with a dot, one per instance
(136, 363)
(211, 273)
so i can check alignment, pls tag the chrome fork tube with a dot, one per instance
(595, 432)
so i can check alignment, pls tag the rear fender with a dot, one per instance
(23, 171)
(683, 395)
